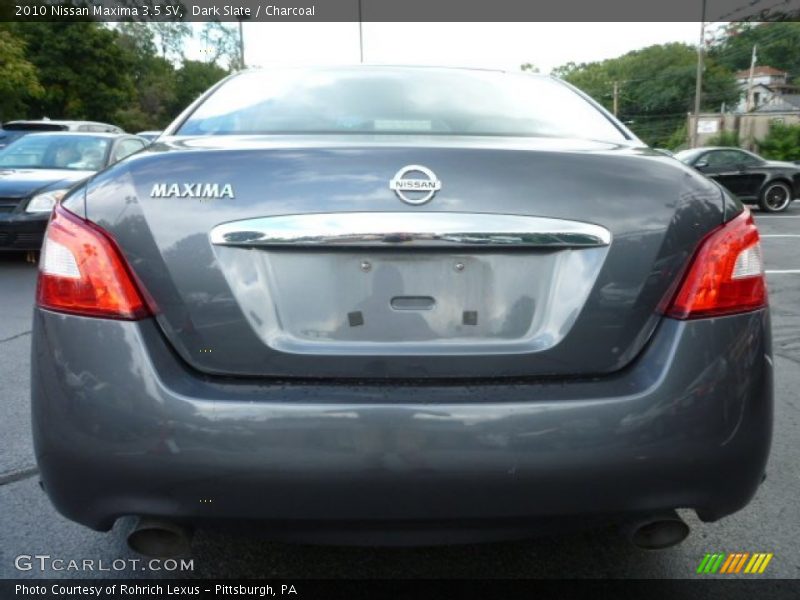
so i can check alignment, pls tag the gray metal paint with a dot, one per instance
(123, 426)
(655, 208)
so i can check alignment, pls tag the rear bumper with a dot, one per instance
(22, 232)
(121, 427)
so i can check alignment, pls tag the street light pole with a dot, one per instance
(750, 105)
(360, 36)
(241, 44)
(698, 89)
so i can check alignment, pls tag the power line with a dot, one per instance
(739, 8)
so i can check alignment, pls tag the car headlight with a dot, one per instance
(44, 202)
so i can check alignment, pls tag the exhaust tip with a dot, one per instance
(160, 539)
(659, 532)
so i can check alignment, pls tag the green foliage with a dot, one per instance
(83, 72)
(782, 142)
(124, 74)
(194, 78)
(221, 42)
(656, 87)
(153, 77)
(724, 138)
(18, 77)
(679, 140)
(170, 37)
(778, 46)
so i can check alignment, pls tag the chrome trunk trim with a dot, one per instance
(420, 230)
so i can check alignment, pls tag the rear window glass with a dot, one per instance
(34, 127)
(397, 101)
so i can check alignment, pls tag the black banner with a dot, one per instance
(401, 10)
(732, 589)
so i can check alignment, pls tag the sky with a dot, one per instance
(486, 45)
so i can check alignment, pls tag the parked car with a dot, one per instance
(38, 169)
(771, 184)
(13, 130)
(438, 304)
(150, 136)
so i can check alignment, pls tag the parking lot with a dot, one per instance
(771, 523)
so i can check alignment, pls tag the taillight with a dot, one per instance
(726, 275)
(81, 271)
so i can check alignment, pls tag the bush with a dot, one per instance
(782, 142)
(724, 138)
(678, 140)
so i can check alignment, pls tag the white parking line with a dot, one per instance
(783, 272)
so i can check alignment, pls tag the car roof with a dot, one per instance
(97, 134)
(57, 122)
(377, 66)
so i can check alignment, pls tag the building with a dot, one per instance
(750, 127)
(769, 85)
(775, 100)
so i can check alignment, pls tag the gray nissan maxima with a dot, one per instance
(374, 304)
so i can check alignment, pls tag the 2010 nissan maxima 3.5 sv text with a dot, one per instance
(438, 303)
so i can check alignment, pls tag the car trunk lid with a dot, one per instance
(534, 258)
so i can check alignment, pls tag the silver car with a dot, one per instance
(368, 303)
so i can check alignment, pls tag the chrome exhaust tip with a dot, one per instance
(155, 538)
(658, 531)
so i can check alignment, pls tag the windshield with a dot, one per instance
(75, 152)
(686, 156)
(398, 101)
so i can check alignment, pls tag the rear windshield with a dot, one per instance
(34, 127)
(397, 101)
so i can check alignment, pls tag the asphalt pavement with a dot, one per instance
(771, 523)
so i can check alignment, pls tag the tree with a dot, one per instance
(782, 142)
(221, 42)
(170, 38)
(84, 72)
(194, 78)
(724, 138)
(679, 140)
(656, 87)
(529, 67)
(18, 77)
(778, 46)
(153, 78)
(122, 73)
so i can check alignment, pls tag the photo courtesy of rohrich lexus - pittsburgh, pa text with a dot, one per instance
(372, 299)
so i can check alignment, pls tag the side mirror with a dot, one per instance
(700, 164)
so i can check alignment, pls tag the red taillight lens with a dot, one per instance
(726, 275)
(81, 271)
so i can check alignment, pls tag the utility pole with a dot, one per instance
(616, 98)
(750, 104)
(698, 89)
(360, 35)
(241, 44)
